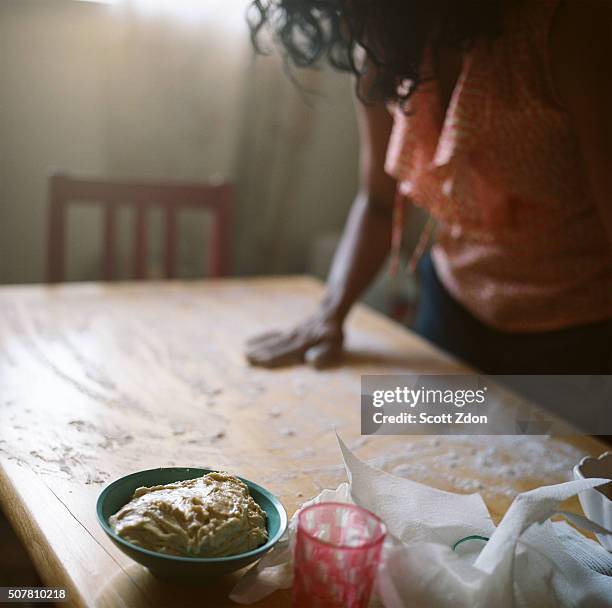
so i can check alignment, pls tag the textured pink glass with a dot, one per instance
(337, 552)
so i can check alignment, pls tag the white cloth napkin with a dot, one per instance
(527, 562)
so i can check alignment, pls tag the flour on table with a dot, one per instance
(490, 464)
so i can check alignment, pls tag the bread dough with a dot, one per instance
(210, 516)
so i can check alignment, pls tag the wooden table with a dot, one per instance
(100, 380)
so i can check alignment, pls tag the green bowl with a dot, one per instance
(192, 570)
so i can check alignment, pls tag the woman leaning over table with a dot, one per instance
(496, 117)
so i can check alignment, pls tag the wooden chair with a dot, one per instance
(142, 197)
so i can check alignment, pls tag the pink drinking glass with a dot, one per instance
(337, 552)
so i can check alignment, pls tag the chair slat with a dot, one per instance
(218, 247)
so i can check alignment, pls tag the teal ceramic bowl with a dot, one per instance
(193, 570)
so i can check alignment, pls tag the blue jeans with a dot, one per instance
(583, 349)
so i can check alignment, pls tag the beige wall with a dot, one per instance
(51, 113)
(97, 92)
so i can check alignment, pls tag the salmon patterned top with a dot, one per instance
(520, 242)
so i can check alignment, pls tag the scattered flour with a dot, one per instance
(487, 464)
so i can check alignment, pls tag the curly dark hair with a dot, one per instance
(393, 34)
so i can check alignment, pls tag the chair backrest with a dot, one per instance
(142, 197)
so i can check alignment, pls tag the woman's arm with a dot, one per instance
(363, 248)
(367, 235)
(581, 62)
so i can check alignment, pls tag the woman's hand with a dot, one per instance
(317, 342)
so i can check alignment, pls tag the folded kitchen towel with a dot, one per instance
(527, 562)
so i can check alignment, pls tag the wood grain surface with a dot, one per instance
(97, 381)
